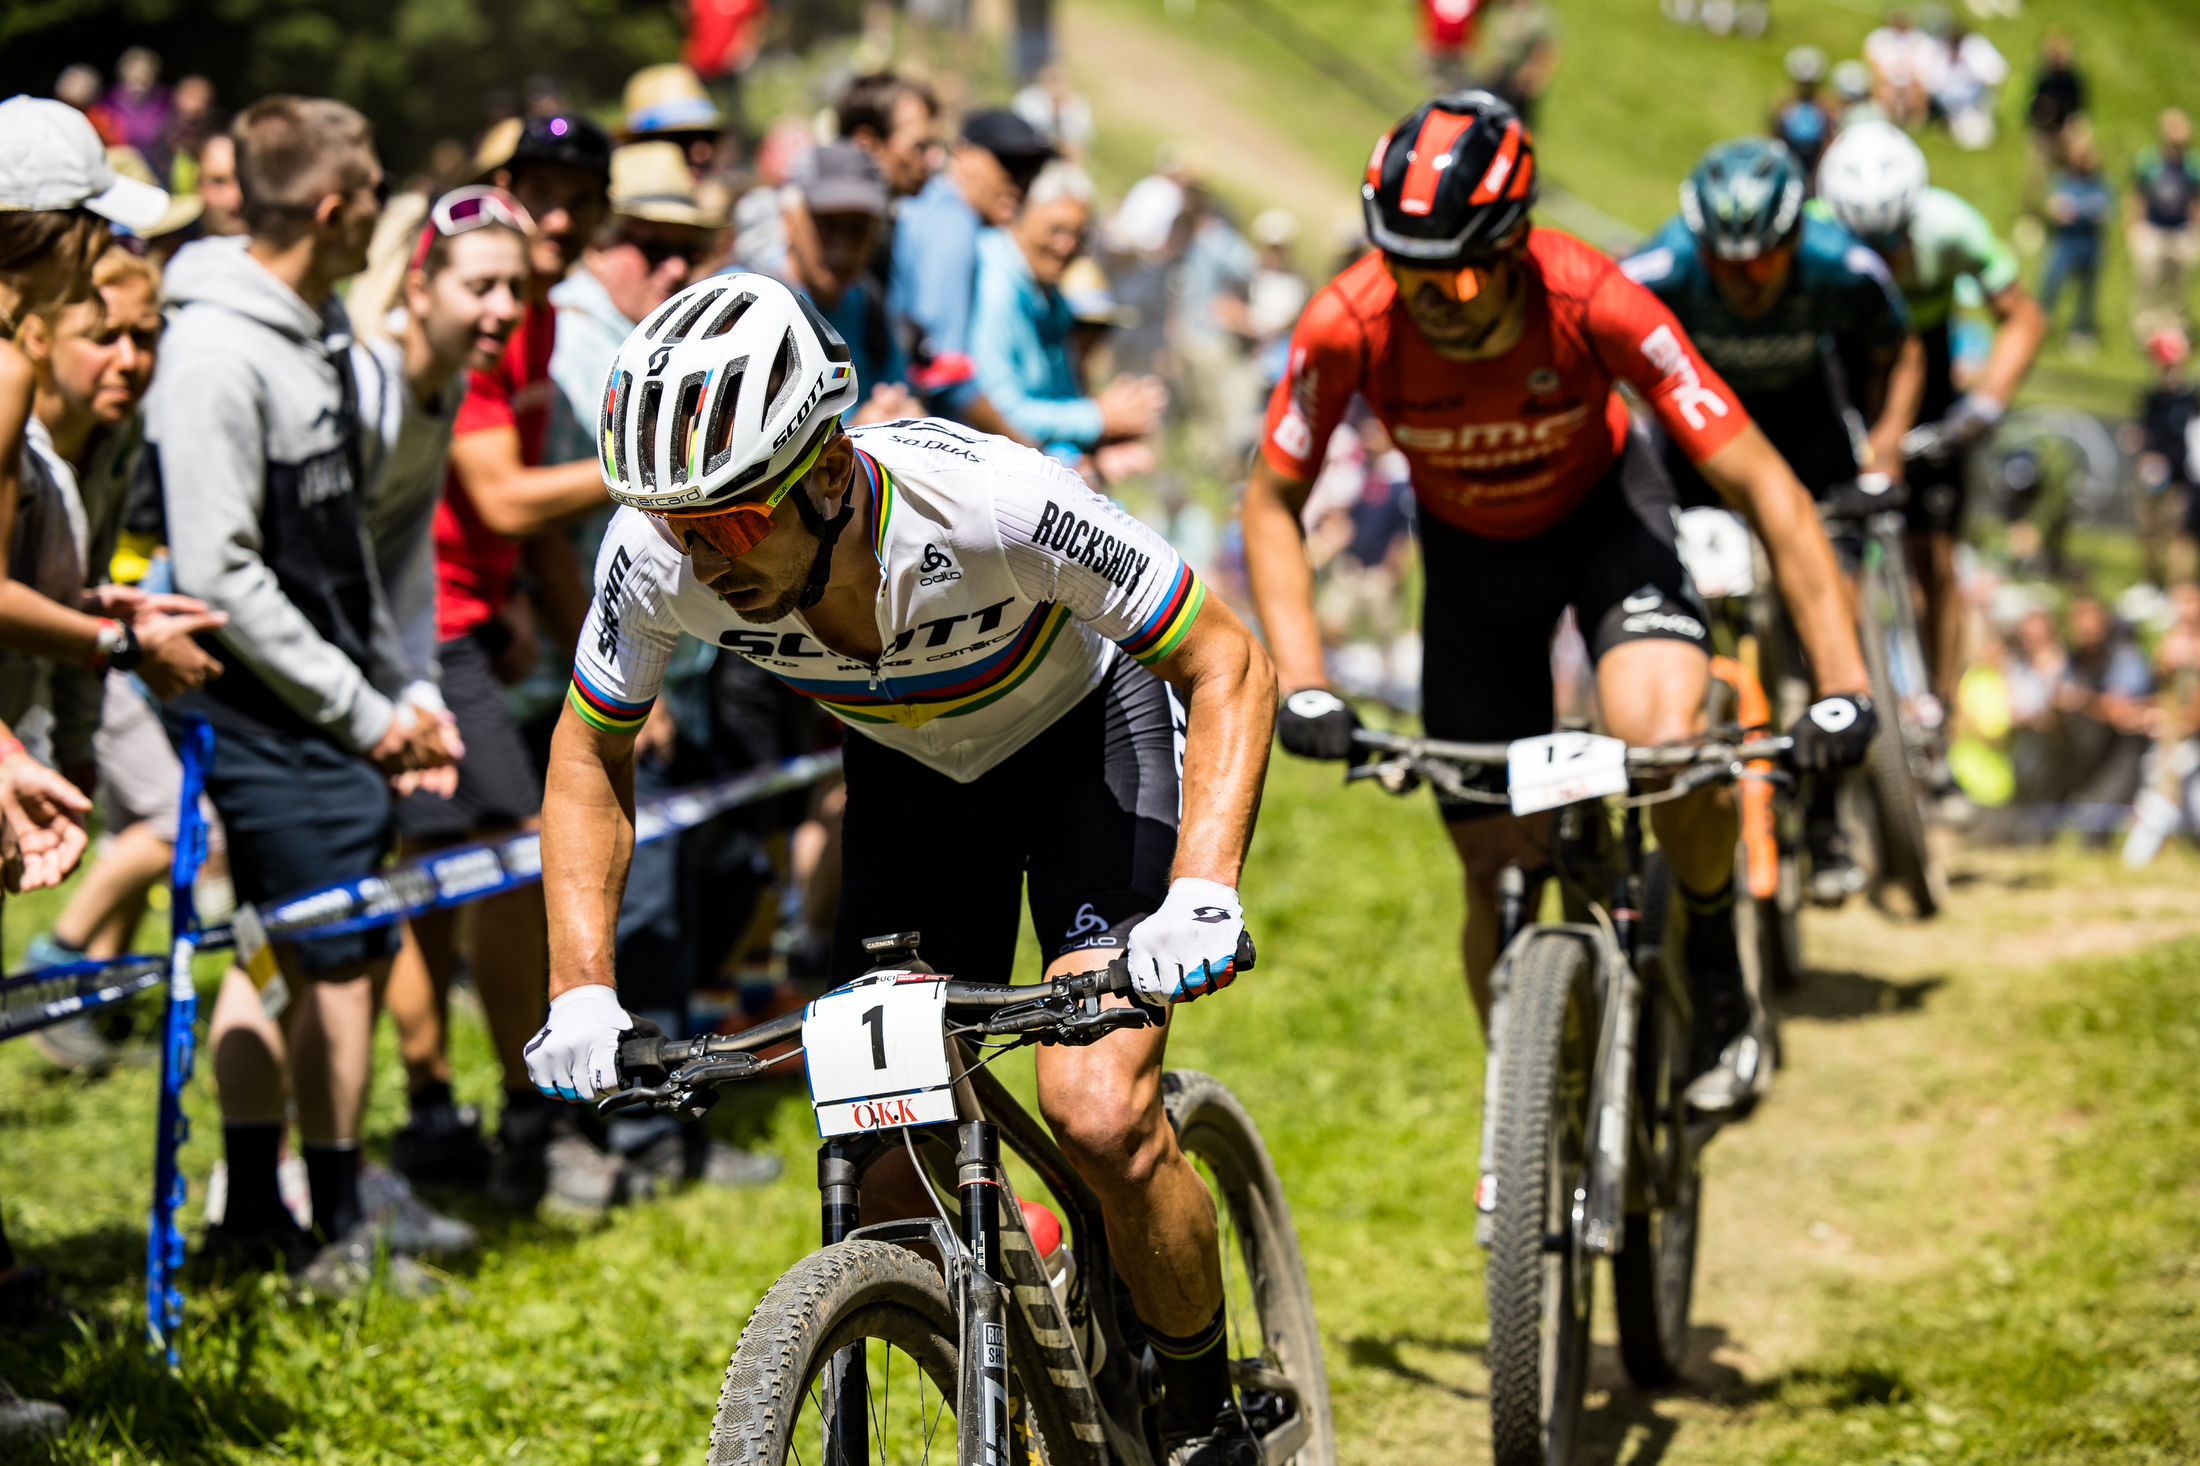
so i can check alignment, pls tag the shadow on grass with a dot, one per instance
(124, 1403)
(1372, 1352)
(1834, 996)
(1628, 1427)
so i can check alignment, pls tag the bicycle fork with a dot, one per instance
(981, 1409)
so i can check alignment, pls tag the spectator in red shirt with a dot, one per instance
(499, 499)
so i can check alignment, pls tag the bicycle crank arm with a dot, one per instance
(1266, 1392)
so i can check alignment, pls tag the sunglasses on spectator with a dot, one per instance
(463, 210)
(735, 529)
(657, 248)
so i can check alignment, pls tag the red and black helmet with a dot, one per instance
(1450, 182)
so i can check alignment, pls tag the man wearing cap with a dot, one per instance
(936, 249)
(835, 211)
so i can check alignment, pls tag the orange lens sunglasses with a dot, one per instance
(735, 529)
(1460, 285)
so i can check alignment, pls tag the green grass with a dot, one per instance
(2071, 1337)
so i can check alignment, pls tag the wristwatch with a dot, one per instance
(117, 647)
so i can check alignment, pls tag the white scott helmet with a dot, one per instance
(1871, 177)
(730, 384)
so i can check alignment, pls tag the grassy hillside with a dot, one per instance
(1637, 99)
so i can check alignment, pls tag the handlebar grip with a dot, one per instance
(1245, 953)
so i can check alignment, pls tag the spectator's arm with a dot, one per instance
(30, 622)
(2023, 328)
(513, 499)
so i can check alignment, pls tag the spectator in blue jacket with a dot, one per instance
(936, 251)
(2078, 204)
(1020, 329)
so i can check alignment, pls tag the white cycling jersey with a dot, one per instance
(1005, 587)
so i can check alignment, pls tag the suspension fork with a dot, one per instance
(981, 1406)
(840, 1165)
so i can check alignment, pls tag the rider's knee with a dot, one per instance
(1112, 1141)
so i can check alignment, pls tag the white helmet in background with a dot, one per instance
(724, 389)
(1871, 177)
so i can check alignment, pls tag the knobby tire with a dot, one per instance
(1539, 1283)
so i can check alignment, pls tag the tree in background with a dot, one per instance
(419, 69)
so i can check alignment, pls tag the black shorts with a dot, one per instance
(300, 812)
(1491, 606)
(498, 784)
(1088, 810)
(1938, 491)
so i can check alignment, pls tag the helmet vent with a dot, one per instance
(688, 320)
(835, 348)
(663, 315)
(619, 396)
(653, 394)
(718, 442)
(780, 384)
(687, 411)
(729, 317)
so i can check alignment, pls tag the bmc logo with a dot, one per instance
(1542, 432)
(882, 1114)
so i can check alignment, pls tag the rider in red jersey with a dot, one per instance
(1490, 350)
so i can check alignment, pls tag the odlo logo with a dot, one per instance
(935, 568)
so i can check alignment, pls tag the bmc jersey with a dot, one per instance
(1005, 587)
(473, 563)
(1839, 298)
(1504, 448)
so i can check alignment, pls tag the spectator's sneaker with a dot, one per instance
(405, 1223)
(27, 1422)
(282, 1247)
(346, 1266)
(441, 1145)
(28, 1306)
(691, 1155)
(78, 1045)
(1227, 1441)
(1834, 877)
(583, 1178)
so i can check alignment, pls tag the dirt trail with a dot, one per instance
(1137, 79)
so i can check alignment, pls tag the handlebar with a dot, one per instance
(680, 1074)
(1717, 750)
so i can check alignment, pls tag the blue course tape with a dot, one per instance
(178, 1051)
(464, 873)
(33, 1000)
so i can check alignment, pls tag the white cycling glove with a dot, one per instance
(1973, 414)
(1188, 948)
(576, 1055)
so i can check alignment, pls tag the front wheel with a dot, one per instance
(1540, 1280)
(889, 1310)
(1899, 805)
(1275, 1348)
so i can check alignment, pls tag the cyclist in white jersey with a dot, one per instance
(1008, 649)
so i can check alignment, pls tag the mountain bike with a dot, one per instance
(1865, 521)
(864, 1349)
(1589, 1149)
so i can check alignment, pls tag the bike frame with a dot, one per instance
(992, 1268)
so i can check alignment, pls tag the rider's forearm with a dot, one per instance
(513, 499)
(1898, 413)
(587, 845)
(1229, 688)
(1753, 477)
(1281, 576)
(2023, 328)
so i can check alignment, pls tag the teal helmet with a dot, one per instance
(1744, 197)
